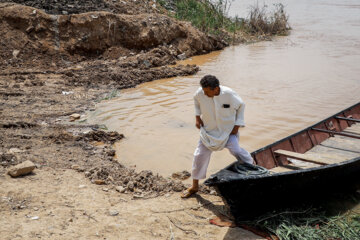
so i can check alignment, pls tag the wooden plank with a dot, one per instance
(302, 157)
(336, 133)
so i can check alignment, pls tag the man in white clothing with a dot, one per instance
(219, 115)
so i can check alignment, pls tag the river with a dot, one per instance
(287, 84)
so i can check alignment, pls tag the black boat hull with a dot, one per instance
(251, 196)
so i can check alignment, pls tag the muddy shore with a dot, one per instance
(53, 65)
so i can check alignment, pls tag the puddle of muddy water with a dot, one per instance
(287, 84)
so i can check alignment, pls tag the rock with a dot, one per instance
(99, 182)
(15, 53)
(35, 218)
(22, 169)
(130, 186)
(181, 56)
(75, 167)
(120, 189)
(87, 174)
(212, 192)
(113, 212)
(110, 178)
(74, 116)
(82, 186)
(105, 189)
(15, 150)
(36, 209)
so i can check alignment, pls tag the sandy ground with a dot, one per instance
(63, 204)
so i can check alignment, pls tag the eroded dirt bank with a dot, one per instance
(52, 66)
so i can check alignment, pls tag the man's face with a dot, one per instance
(211, 92)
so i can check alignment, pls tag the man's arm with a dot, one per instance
(239, 118)
(199, 123)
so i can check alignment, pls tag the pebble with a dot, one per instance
(105, 189)
(36, 209)
(15, 53)
(35, 218)
(74, 116)
(82, 186)
(75, 167)
(113, 212)
(120, 189)
(99, 182)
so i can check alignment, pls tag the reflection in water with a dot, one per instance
(287, 84)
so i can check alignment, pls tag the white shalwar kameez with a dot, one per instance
(219, 114)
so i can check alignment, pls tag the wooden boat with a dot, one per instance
(308, 165)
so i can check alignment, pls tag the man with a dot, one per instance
(219, 115)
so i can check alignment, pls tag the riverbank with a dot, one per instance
(55, 66)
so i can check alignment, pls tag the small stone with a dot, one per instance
(15, 53)
(105, 189)
(110, 178)
(36, 209)
(120, 189)
(99, 182)
(74, 116)
(181, 56)
(82, 186)
(35, 218)
(70, 220)
(22, 169)
(212, 192)
(113, 212)
(75, 167)
(15, 150)
(30, 29)
(87, 174)
(130, 186)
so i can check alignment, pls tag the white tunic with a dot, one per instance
(219, 114)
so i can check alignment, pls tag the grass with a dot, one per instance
(332, 219)
(312, 225)
(265, 22)
(211, 17)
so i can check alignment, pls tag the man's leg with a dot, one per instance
(237, 151)
(200, 164)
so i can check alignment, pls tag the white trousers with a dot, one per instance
(202, 156)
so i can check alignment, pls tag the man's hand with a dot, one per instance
(199, 123)
(235, 130)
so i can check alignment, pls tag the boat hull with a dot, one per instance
(250, 196)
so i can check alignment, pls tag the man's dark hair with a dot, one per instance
(209, 81)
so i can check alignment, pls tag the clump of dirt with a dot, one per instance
(131, 181)
(101, 136)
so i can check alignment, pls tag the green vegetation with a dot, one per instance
(211, 16)
(310, 224)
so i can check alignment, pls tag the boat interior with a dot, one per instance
(333, 140)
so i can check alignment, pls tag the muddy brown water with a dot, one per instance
(287, 84)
